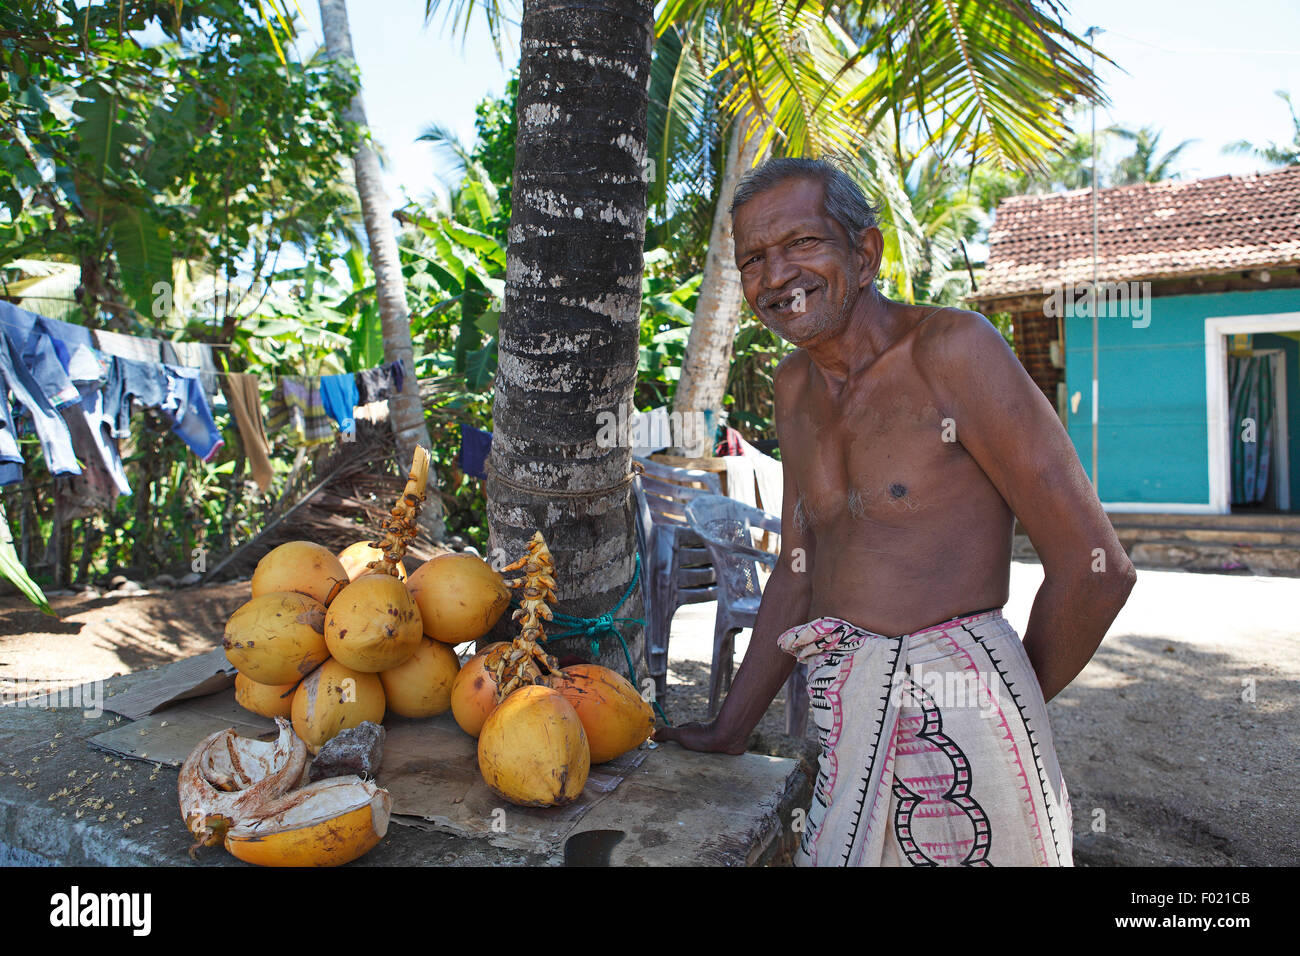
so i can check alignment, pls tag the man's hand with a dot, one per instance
(699, 736)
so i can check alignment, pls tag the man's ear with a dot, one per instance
(871, 247)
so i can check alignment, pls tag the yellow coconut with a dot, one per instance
(326, 823)
(356, 557)
(268, 700)
(302, 566)
(420, 686)
(373, 624)
(474, 691)
(614, 716)
(277, 638)
(460, 597)
(332, 698)
(533, 750)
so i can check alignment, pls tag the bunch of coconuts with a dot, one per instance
(331, 641)
(539, 726)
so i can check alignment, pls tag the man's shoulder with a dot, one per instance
(952, 339)
(793, 367)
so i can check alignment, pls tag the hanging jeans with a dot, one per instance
(187, 407)
(51, 430)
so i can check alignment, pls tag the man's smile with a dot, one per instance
(785, 302)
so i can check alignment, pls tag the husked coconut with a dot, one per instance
(327, 823)
(239, 792)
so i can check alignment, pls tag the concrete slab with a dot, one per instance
(64, 802)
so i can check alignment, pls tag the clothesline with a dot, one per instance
(79, 387)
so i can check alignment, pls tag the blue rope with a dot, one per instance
(594, 627)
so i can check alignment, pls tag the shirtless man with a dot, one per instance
(912, 438)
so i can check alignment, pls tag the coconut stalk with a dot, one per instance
(401, 524)
(527, 662)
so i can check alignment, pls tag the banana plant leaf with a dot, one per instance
(13, 569)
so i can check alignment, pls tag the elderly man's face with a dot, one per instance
(799, 269)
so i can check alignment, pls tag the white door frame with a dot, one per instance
(1217, 328)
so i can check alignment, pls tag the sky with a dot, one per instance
(1198, 70)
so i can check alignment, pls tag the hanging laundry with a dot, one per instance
(50, 373)
(298, 411)
(16, 323)
(378, 384)
(51, 430)
(475, 445)
(128, 346)
(72, 336)
(730, 443)
(340, 396)
(130, 380)
(71, 379)
(96, 488)
(187, 409)
(95, 445)
(11, 457)
(769, 476)
(245, 401)
(194, 355)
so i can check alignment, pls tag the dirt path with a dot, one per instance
(102, 637)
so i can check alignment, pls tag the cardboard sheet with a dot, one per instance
(430, 768)
(192, 677)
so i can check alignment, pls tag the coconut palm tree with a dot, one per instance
(988, 77)
(570, 331)
(1142, 166)
(1275, 154)
(406, 412)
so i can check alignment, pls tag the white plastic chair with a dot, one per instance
(726, 527)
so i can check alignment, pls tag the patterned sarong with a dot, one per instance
(935, 748)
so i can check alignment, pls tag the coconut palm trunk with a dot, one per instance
(707, 362)
(405, 410)
(569, 335)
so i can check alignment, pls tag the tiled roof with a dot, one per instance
(1146, 231)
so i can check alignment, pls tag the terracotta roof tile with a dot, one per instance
(1146, 231)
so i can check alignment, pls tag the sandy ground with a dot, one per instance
(1168, 758)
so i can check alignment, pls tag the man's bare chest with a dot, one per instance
(886, 456)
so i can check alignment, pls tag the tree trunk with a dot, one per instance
(571, 327)
(707, 363)
(406, 412)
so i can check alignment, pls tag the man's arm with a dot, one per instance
(1007, 425)
(786, 598)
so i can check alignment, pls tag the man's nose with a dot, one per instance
(777, 270)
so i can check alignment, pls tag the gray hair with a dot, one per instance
(845, 201)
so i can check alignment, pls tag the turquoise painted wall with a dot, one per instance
(1152, 444)
(1292, 362)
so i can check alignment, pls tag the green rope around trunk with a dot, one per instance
(596, 628)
